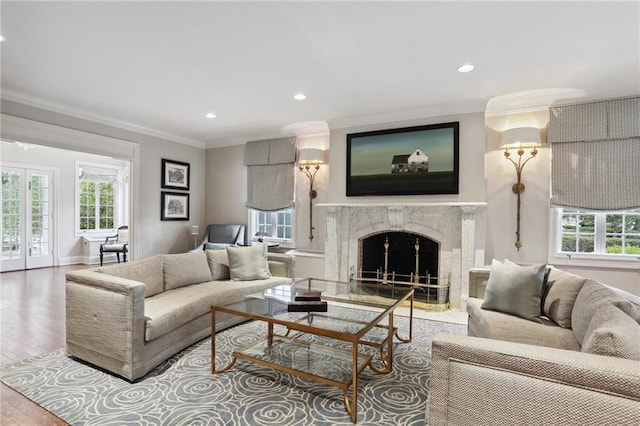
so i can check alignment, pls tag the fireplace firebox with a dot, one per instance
(403, 259)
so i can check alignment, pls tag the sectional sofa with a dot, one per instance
(578, 364)
(130, 317)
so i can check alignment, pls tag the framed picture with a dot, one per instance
(406, 161)
(175, 174)
(174, 206)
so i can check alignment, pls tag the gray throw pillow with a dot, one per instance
(514, 290)
(248, 263)
(611, 332)
(184, 269)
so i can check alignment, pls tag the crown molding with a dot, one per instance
(83, 115)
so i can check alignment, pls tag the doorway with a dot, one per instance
(27, 218)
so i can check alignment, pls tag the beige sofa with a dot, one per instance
(128, 318)
(579, 365)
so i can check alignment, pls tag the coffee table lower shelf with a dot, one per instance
(325, 364)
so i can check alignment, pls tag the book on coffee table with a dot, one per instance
(309, 306)
(307, 296)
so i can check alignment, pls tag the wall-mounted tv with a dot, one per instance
(405, 161)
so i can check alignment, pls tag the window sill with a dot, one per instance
(630, 262)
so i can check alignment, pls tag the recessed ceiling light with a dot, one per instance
(210, 115)
(2, 39)
(465, 68)
(299, 97)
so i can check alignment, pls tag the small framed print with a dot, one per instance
(174, 206)
(175, 174)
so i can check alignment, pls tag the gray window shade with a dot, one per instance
(270, 174)
(596, 155)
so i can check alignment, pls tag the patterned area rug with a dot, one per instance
(182, 391)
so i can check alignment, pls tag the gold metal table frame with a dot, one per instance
(340, 367)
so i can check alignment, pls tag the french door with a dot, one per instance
(27, 218)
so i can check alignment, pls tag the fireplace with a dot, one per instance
(450, 235)
(400, 260)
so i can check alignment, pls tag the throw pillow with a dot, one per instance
(546, 284)
(611, 332)
(218, 264)
(147, 271)
(558, 305)
(514, 290)
(184, 269)
(248, 263)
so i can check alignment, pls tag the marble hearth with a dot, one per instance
(459, 228)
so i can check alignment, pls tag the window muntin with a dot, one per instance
(271, 226)
(99, 189)
(587, 232)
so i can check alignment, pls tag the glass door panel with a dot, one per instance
(26, 219)
(13, 250)
(40, 250)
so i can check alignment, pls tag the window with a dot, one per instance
(99, 198)
(97, 206)
(584, 232)
(271, 226)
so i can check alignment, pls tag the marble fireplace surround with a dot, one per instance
(459, 228)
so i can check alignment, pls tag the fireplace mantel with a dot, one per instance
(459, 228)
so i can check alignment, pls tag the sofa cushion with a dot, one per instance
(174, 308)
(611, 332)
(147, 271)
(218, 264)
(589, 299)
(499, 326)
(563, 288)
(248, 263)
(514, 289)
(185, 269)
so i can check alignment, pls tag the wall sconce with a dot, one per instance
(309, 161)
(522, 138)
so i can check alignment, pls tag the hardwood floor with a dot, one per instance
(33, 323)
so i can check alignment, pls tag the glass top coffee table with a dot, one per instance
(356, 313)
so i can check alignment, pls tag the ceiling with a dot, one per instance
(159, 67)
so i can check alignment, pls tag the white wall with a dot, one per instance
(154, 236)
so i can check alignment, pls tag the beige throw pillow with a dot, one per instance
(559, 301)
(218, 264)
(611, 332)
(514, 290)
(248, 263)
(184, 269)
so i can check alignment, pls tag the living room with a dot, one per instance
(484, 103)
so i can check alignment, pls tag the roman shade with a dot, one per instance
(97, 173)
(596, 154)
(270, 173)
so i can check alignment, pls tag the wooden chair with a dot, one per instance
(117, 244)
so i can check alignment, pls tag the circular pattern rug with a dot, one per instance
(182, 390)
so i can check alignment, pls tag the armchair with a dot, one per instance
(117, 244)
(219, 236)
